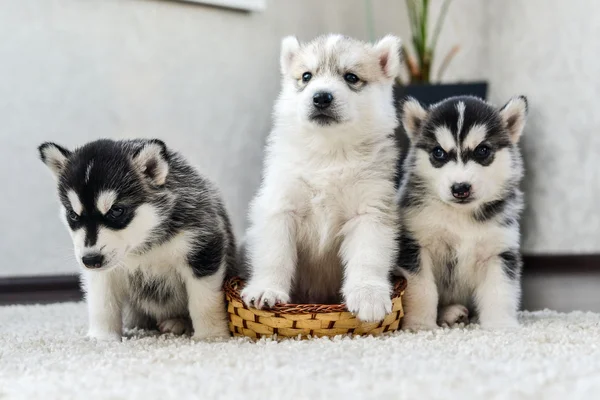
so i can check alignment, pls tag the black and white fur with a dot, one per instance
(151, 235)
(324, 221)
(460, 205)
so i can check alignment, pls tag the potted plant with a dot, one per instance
(420, 82)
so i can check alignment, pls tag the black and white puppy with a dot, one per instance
(151, 234)
(460, 206)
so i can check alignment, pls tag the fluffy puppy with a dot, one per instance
(324, 222)
(152, 237)
(460, 205)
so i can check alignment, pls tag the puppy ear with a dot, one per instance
(54, 156)
(289, 49)
(153, 162)
(388, 51)
(413, 115)
(513, 115)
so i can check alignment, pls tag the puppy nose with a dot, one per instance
(93, 260)
(322, 99)
(461, 190)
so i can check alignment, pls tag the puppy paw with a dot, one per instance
(104, 336)
(369, 303)
(176, 326)
(453, 315)
(261, 297)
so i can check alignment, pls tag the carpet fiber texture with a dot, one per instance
(44, 354)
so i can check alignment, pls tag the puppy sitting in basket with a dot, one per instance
(324, 223)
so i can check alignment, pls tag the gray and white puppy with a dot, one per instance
(151, 234)
(460, 206)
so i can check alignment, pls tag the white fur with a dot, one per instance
(151, 154)
(106, 200)
(76, 205)
(413, 115)
(516, 108)
(388, 51)
(106, 292)
(289, 47)
(445, 138)
(54, 159)
(438, 227)
(325, 210)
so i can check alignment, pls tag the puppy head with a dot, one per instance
(107, 190)
(465, 149)
(335, 80)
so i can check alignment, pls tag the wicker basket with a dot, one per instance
(304, 320)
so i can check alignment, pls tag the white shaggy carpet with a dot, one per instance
(43, 354)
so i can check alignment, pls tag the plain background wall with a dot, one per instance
(204, 79)
(548, 50)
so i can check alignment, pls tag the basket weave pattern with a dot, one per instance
(304, 320)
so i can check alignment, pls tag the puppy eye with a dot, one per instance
(439, 154)
(306, 77)
(73, 216)
(351, 78)
(482, 151)
(115, 212)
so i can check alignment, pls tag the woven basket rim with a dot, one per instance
(233, 285)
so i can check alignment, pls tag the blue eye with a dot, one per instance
(482, 152)
(351, 78)
(439, 154)
(73, 216)
(306, 77)
(115, 212)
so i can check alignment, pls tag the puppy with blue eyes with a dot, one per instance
(460, 205)
(152, 237)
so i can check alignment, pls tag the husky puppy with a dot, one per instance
(324, 221)
(460, 206)
(152, 236)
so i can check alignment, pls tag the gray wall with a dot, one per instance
(201, 78)
(204, 79)
(548, 50)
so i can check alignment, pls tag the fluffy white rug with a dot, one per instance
(43, 354)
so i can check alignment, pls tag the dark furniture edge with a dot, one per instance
(60, 288)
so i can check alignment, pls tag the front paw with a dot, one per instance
(369, 303)
(104, 336)
(261, 297)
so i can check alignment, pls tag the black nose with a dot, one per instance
(461, 190)
(322, 99)
(93, 260)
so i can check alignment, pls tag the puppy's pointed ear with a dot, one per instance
(513, 115)
(153, 162)
(413, 115)
(54, 156)
(388, 51)
(289, 49)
